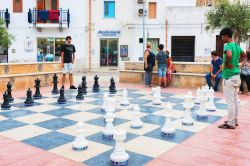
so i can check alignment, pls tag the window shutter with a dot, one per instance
(152, 10)
(54, 5)
(40, 5)
(17, 6)
(111, 9)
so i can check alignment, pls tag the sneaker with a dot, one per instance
(226, 126)
(235, 124)
(72, 87)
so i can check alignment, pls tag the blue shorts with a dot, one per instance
(68, 68)
(162, 70)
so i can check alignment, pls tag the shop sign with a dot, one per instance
(109, 33)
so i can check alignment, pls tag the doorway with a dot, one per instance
(109, 52)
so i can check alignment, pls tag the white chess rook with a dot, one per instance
(124, 102)
(104, 106)
(136, 123)
(168, 128)
(119, 157)
(156, 96)
(188, 105)
(202, 113)
(80, 143)
(210, 105)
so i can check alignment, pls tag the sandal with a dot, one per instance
(226, 126)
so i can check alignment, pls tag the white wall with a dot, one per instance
(180, 3)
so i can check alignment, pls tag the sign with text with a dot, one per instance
(109, 33)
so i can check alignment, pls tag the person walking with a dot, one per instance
(215, 71)
(68, 59)
(161, 59)
(149, 63)
(231, 77)
(245, 74)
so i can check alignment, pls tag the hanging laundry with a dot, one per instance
(54, 15)
(42, 15)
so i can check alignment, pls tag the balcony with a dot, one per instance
(49, 18)
(5, 16)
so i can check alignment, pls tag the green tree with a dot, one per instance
(5, 38)
(234, 15)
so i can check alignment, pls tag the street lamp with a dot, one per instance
(143, 27)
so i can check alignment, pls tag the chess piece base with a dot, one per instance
(119, 163)
(107, 136)
(55, 93)
(37, 97)
(168, 131)
(11, 100)
(80, 149)
(136, 126)
(79, 98)
(61, 102)
(119, 158)
(211, 110)
(202, 116)
(28, 104)
(80, 146)
(156, 104)
(4, 108)
(168, 134)
(124, 104)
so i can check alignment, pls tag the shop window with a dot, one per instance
(109, 9)
(152, 10)
(17, 6)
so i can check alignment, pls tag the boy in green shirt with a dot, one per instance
(231, 77)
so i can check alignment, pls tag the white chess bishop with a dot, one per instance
(80, 143)
(105, 98)
(187, 120)
(198, 96)
(168, 128)
(202, 113)
(124, 102)
(136, 123)
(119, 157)
(156, 96)
(210, 105)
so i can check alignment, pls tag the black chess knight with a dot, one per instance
(6, 105)
(37, 94)
(80, 93)
(29, 100)
(55, 82)
(96, 87)
(61, 99)
(112, 88)
(9, 89)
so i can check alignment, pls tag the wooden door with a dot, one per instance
(40, 5)
(17, 6)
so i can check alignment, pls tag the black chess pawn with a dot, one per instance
(6, 105)
(29, 100)
(62, 99)
(112, 88)
(80, 93)
(37, 94)
(96, 87)
(9, 89)
(84, 85)
(55, 82)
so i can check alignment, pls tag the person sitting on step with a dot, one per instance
(215, 71)
(245, 74)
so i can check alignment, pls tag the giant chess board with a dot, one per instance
(50, 126)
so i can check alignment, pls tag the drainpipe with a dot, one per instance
(166, 33)
(90, 33)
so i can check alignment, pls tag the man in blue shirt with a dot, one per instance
(215, 71)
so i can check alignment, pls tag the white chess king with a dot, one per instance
(80, 143)
(119, 157)
(168, 129)
(136, 123)
(202, 113)
(188, 105)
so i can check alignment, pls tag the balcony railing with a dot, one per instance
(58, 18)
(5, 16)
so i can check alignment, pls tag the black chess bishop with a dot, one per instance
(55, 90)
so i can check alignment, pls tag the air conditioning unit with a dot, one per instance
(140, 1)
(141, 12)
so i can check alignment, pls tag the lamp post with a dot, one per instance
(143, 27)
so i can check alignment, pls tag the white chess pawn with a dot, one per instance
(124, 102)
(210, 105)
(198, 95)
(80, 143)
(156, 96)
(187, 120)
(168, 128)
(119, 156)
(109, 128)
(136, 123)
(202, 113)
(105, 97)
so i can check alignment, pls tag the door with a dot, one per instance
(219, 46)
(183, 48)
(109, 52)
(155, 43)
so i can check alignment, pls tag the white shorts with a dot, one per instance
(68, 68)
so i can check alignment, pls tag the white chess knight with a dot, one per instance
(198, 96)
(187, 120)
(202, 113)
(168, 128)
(210, 105)
(136, 123)
(119, 156)
(80, 143)
(105, 98)
(156, 96)
(124, 101)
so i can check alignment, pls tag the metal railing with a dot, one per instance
(5, 15)
(61, 17)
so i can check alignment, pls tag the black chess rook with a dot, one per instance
(29, 100)
(6, 105)
(37, 94)
(55, 83)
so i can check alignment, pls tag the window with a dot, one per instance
(109, 9)
(17, 6)
(47, 5)
(152, 10)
